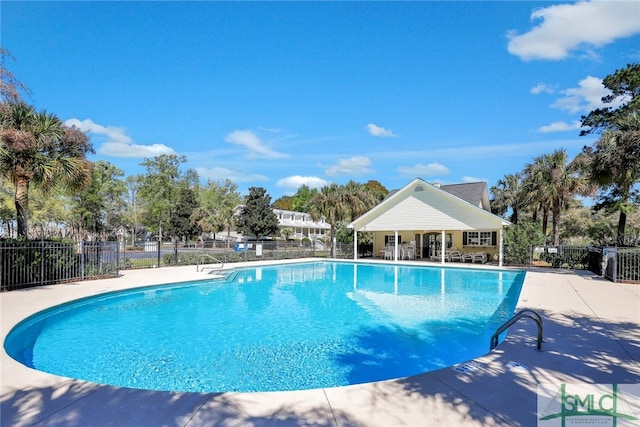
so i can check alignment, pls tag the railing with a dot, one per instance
(618, 264)
(26, 264)
(628, 265)
(519, 315)
(210, 257)
(571, 257)
(152, 254)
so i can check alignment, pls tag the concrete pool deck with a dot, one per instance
(591, 335)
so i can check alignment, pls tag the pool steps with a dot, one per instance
(226, 276)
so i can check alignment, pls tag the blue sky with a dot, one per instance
(279, 94)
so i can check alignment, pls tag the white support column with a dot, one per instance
(395, 246)
(355, 244)
(501, 252)
(443, 248)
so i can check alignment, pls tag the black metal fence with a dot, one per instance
(153, 254)
(614, 263)
(571, 257)
(26, 264)
(619, 264)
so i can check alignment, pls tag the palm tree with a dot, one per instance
(341, 203)
(534, 191)
(360, 199)
(330, 203)
(552, 182)
(507, 194)
(38, 149)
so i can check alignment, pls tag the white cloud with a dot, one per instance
(542, 88)
(379, 131)
(256, 147)
(560, 127)
(420, 170)
(220, 174)
(581, 25)
(114, 134)
(358, 165)
(584, 98)
(296, 181)
(115, 141)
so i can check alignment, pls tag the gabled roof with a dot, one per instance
(475, 193)
(423, 206)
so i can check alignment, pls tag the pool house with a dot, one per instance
(414, 221)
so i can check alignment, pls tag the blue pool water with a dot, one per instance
(285, 327)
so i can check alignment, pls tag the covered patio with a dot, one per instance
(441, 223)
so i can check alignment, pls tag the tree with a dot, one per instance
(624, 85)
(7, 208)
(360, 198)
(181, 224)
(613, 162)
(301, 199)
(98, 210)
(257, 218)
(36, 148)
(576, 223)
(10, 87)
(518, 240)
(217, 203)
(286, 232)
(284, 203)
(507, 194)
(339, 204)
(378, 190)
(552, 183)
(133, 210)
(48, 215)
(160, 190)
(330, 203)
(299, 202)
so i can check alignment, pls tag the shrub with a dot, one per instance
(519, 238)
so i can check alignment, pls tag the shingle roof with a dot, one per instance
(471, 192)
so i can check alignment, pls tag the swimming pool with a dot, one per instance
(285, 327)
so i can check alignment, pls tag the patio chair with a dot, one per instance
(456, 256)
(476, 257)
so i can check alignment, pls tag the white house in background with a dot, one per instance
(421, 216)
(302, 224)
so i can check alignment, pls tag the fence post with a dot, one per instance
(175, 251)
(41, 262)
(82, 259)
(159, 242)
(118, 256)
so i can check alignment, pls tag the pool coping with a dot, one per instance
(591, 335)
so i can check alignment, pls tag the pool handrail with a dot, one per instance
(217, 261)
(531, 314)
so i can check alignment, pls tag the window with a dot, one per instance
(479, 238)
(388, 239)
